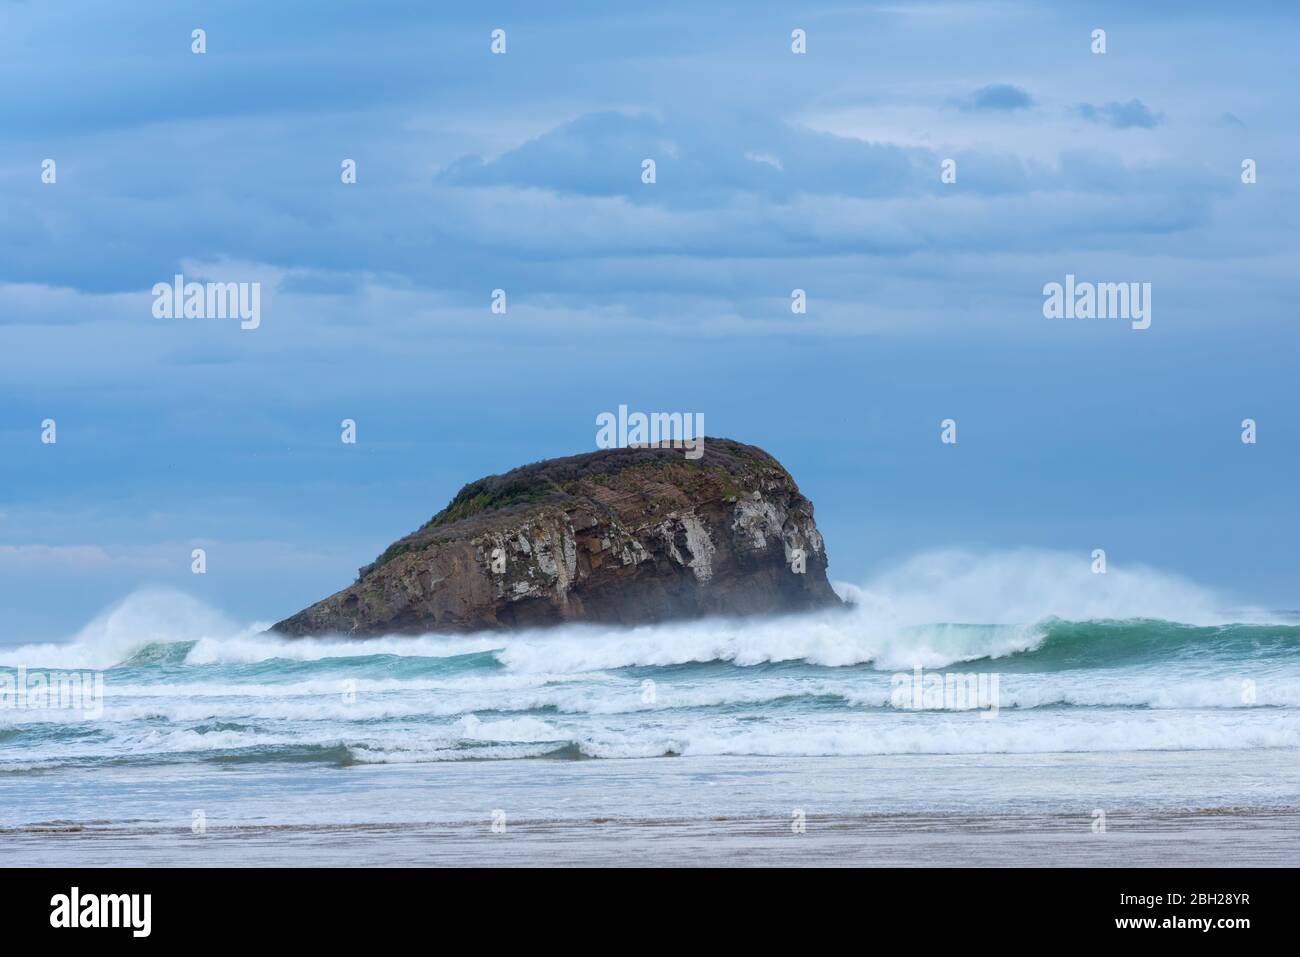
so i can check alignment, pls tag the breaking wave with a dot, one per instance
(1132, 660)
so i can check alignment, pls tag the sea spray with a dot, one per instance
(185, 686)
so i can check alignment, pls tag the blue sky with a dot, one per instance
(775, 171)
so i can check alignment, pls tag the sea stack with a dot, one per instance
(621, 536)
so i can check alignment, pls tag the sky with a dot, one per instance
(523, 171)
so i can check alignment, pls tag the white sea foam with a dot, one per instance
(845, 732)
(963, 734)
(143, 618)
(901, 618)
(814, 684)
(1027, 585)
(1167, 691)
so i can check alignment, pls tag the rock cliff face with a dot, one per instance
(622, 536)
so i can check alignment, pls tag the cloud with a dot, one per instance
(771, 161)
(1002, 97)
(1121, 116)
(700, 161)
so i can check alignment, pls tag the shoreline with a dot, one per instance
(1249, 837)
(1173, 808)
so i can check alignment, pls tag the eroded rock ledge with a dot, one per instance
(621, 536)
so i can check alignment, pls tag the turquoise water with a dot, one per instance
(821, 685)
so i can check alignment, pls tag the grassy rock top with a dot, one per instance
(561, 483)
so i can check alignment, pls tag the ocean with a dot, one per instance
(853, 737)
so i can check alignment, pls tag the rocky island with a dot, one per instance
(620, 536)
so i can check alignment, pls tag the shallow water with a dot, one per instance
(1158, 808)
